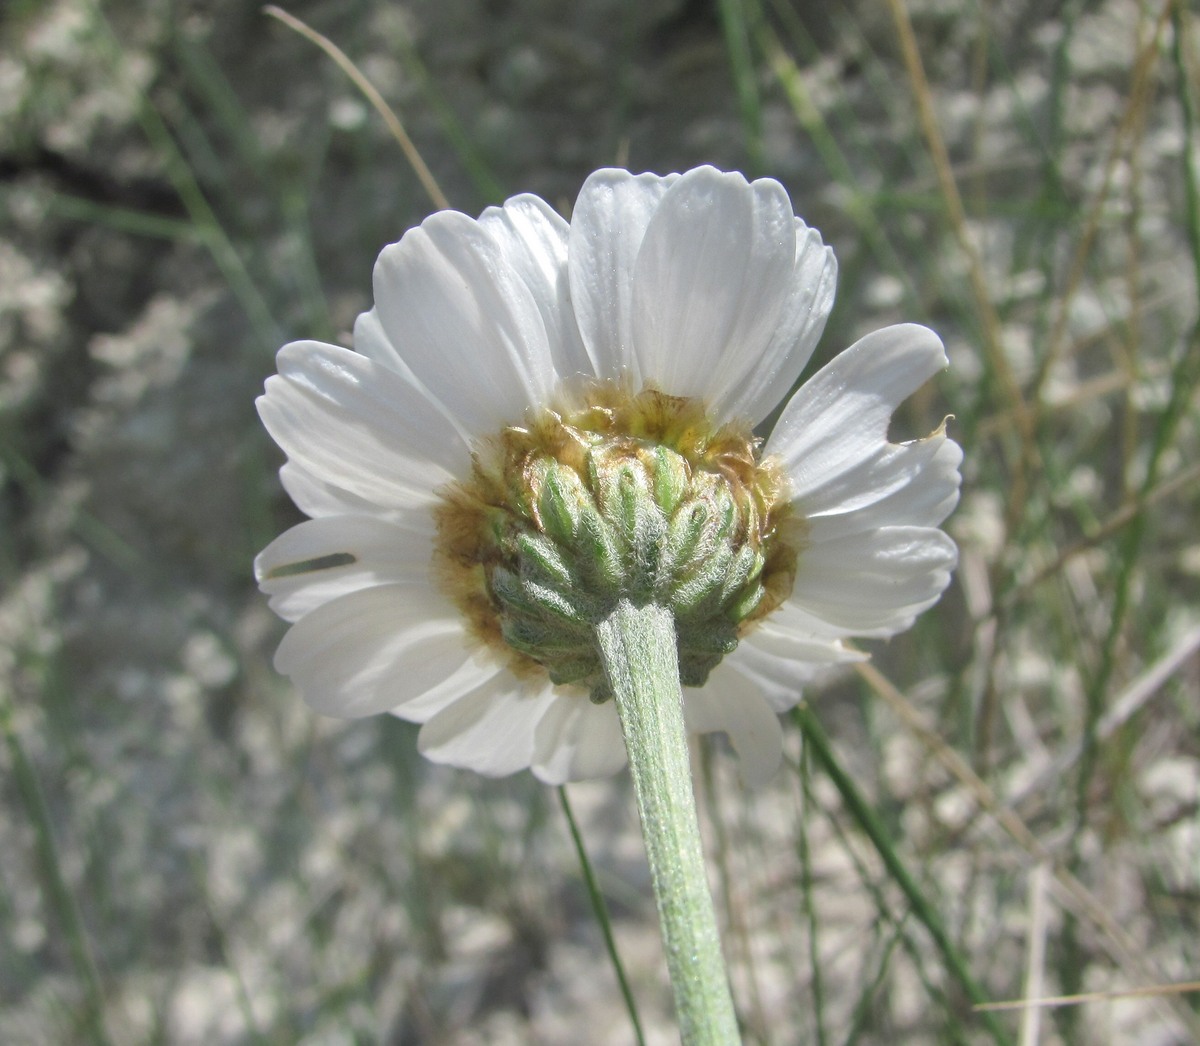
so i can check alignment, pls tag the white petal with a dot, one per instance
(577, 740)
(315, 497)
(876, 582)
(607, 227)
(533, 238)
(780, 682)
(731, 703)
(452, 301)
(782, 659)
(799, 327)
(372, 341)
(325, 558)
(359, 426)
(490, 730)
(793, 619)
(914, 484)
(839, 418)
(710, 282)
(379, 648)
(785, 636)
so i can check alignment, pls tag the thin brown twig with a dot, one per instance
(424, 175)
(1022, 415)
(1151, 991)
(1143, 66)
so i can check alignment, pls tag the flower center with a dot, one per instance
(616, 496)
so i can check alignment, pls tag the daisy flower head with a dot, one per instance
(540, 418)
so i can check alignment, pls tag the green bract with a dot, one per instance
(633, 498)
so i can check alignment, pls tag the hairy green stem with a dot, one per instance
(637, 648)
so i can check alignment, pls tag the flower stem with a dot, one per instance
(637, 647)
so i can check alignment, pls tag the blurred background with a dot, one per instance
(1006, 806)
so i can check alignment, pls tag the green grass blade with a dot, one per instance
(872, 825)
(601, 911)
(736, 19)
(58, 894)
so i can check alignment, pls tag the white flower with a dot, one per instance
(699, 285)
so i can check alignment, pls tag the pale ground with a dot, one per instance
(187, 185)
